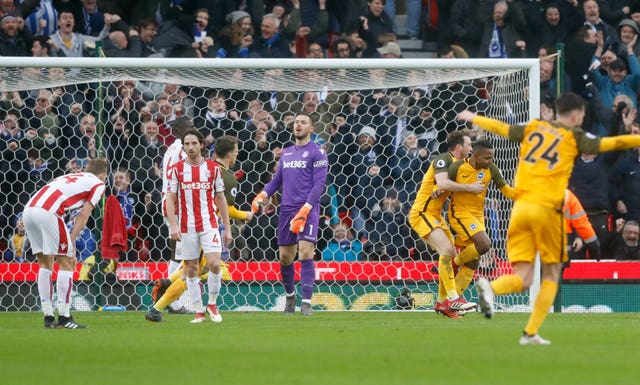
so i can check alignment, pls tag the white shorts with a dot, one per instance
(209, 241)
(47, 233)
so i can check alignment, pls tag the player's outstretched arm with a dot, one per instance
(491, 125)
(508, 191)
(620, 142)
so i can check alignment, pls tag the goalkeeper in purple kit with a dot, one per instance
(301, 176)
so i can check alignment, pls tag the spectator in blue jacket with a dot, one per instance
(342, 248)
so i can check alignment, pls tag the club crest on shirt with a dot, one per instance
(480, 175)
(305, 154)
(473, 226)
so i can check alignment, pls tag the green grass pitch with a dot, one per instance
(328, 348)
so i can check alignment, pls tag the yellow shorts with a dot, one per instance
(534, 228)
(466, 226)
(424, 223)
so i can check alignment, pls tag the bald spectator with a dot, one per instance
(119, 45)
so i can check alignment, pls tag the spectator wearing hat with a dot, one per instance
(619, 79)
(628, 30)
(238, 33)
(15, 40)
(390, 50)
(365, 174)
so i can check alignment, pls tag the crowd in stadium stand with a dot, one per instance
(379, 141)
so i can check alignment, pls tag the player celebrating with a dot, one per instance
(226, 153)
(466, 210)
(194, 183)
(547, 154)
(426, 219)
(301, 174)
(44, 223)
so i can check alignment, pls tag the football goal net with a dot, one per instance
(380, 122)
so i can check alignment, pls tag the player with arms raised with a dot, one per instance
(426, 219)
(301, 175)
(547, 154)
(50, 239)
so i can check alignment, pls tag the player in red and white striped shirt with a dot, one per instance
(196, 185)
(44, 223)
(173, 155)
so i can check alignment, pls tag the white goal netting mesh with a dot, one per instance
(381, 121)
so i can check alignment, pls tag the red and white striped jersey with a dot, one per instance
(173, 155)
(68, 192)
(196, 186)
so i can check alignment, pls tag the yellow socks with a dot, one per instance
(463, 278)
(445, 273)
(173, 293)
(469, 254)
(507, 284)
(547, 294)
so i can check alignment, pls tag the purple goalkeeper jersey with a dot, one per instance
(301, 174)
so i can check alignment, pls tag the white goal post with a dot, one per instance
(422, 95)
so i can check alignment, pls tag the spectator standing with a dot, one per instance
(592, 20)
(301, 175)
(372, 23)
(270, 44)
(15, 40)
(500, 36)
(626, 247)
(67, 43)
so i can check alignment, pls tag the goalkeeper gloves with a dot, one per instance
(258, 201)
(297, 223)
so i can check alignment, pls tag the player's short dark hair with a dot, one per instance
(224, 145)
(456, 138)
(180, 125)
(481, 144)
(194, 132)
(568, 102)
(97, 166)
(303, 113)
